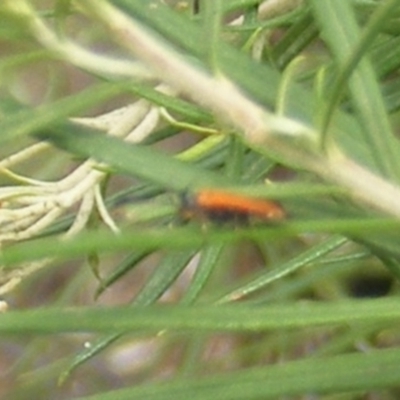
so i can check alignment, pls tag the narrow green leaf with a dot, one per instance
(164, 275)
(209, 258)
(340, 29)
(180, 238)
(340, 374)
(307, 257)
(26, 121)
(140, 161)
(161, 279)
(231, 318)
(295, 40)
(126, 265)
(212, 18)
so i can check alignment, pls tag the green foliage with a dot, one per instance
(324, 74)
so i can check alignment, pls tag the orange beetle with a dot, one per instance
(221, 206)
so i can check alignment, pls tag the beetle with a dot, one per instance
(223, 206)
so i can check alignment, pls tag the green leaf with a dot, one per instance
(161, 279)
(229, 318)
(139, 161)
(341, 374)
(340, 30)
(26, 121)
